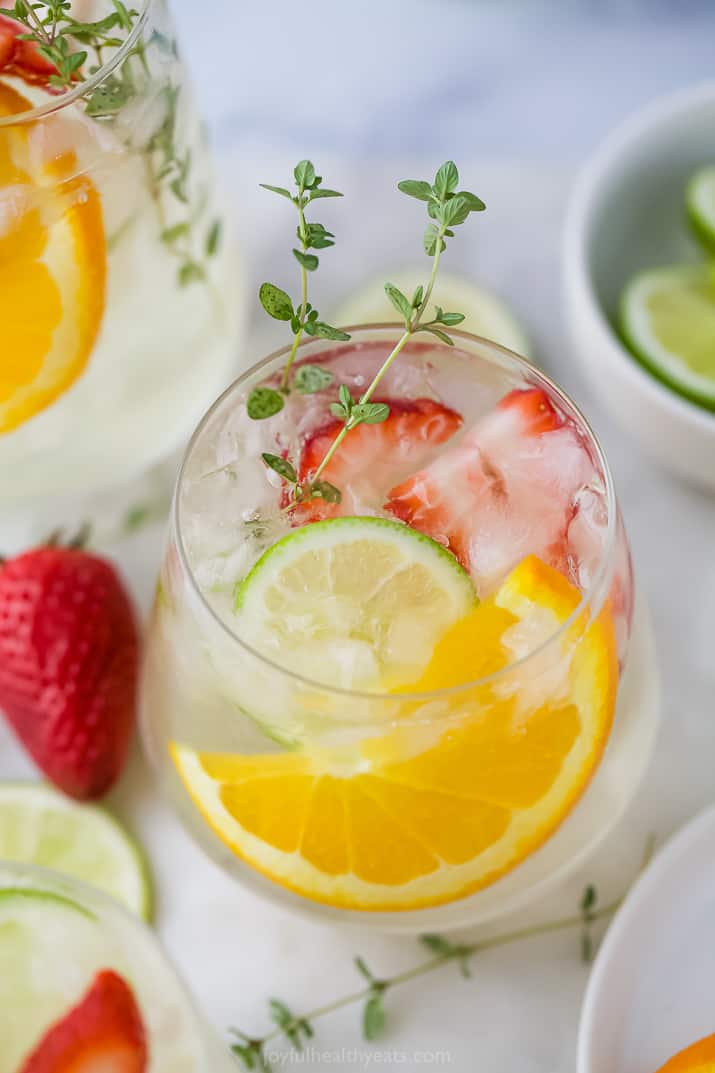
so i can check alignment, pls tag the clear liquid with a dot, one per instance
(164, 347)
(226, 486)
(207, 692)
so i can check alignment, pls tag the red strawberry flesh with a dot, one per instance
(504, 491)
(372, 457)
(103, 1033)
(22, 58)
(68, 665)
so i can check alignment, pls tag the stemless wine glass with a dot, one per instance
(70, 954)
(329, 727)
(118, 293)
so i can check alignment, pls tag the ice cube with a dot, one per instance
(535, 479)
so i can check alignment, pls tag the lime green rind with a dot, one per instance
(42, 798)
(308, 533)
(702, 235)
(146, 903)
(42, 896)
(702, 226)
(683, 387)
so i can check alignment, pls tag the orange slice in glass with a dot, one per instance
(52, 270)
(401, 828)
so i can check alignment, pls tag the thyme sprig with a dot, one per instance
(302, 316)
(297, 1029)
(447, 208)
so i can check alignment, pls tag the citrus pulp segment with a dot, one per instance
(52, 271)
(347, 600)
(401, 829)
(40, 826)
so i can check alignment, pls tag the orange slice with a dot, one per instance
(700, 1058)
(429, 813)
(52, 270)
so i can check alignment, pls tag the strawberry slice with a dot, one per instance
(506, 490)
(373, 457)
(22, 58)
(104, 1031)
(8, 41)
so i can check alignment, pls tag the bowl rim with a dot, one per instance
(578, 277)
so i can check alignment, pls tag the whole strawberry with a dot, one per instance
(68, 665)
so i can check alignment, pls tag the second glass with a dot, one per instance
(118, 286)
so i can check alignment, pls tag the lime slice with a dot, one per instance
(700, 205)
(353, 601)
(485, 314)
(668, 321)
(40, 826)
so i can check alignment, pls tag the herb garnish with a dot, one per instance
(447, 208)
(303, 317)
(297, 1029)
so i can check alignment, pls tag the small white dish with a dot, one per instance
(652, 987)
(626, 213)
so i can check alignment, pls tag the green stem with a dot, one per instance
(367, 395)
(331, 451)
(285, 381)
(460, 953)
(410, 330)
(433, 276)
(39, 28)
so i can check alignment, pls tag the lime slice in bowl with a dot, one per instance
(40, 826)
(668, 321)
(348, 601)
(485, 314)
(700, 205)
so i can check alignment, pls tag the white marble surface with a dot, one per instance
(536, 84)
(520, 1011)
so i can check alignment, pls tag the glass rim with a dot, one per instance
(56, 104)
(79, 892)
(594, 597)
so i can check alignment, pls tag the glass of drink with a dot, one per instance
(118, 296)
(395, 702)
(85, 985)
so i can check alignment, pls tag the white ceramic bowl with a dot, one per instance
(651, 990)
(627, 213)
